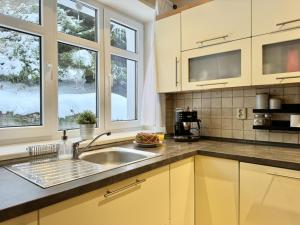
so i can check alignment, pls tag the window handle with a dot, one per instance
(50, 70)
(176, 71)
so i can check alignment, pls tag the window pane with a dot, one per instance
(77, 83)
(122, 37)
(76, 18)
(123, 97)
(28, 10)
(20, 79)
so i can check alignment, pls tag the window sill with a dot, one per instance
(8, 152)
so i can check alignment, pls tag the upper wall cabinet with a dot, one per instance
(217, 66)
(274, 15)
(276, 58)
(216, 22)
(168, 52)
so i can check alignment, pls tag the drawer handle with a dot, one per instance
(284, 176)
(203, 85)
(212, 39)
(283, 78)
(287, 22)
(110, 193)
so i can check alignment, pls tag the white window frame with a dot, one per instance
(137, 56)
(50, 37)
(7, 135)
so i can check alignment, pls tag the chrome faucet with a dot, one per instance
(78, 151)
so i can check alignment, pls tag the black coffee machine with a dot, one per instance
(183, 126)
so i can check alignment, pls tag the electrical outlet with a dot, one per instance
(241, 113)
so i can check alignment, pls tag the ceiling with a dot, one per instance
(134, 8)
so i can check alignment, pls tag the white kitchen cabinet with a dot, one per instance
(217, 66)
(182, 192)
(269, 196)
(216, 191)
(276, 58)
(143, 200)
(28, 219)
(216, 22)
(274, 15)
(168, 54)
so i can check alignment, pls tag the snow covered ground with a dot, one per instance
(24, 100)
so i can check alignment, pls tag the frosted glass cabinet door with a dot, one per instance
(269, 196)
(219, 66)
(276, 58)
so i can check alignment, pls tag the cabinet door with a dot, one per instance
(28, 219)
(276, 58)
(215, 22)
(269, 196)
(218, 66)
(182, 192)
(168, 53)
(216, 191)
(274, 15)
(146, 203)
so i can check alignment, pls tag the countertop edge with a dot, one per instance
(39, 203)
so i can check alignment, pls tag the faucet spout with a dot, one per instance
(78, 151)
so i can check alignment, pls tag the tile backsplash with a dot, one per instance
(218, 108)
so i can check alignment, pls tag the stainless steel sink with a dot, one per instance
(115, 157)
(50, 172)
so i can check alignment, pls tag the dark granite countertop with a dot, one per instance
(19, 196)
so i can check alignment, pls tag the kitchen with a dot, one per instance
(149, 112)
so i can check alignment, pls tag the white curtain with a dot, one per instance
(153, 104)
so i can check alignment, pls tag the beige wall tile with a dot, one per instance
(197, 95)
(238, 102)
(216, 94)
(227, 113)
(249, 102)
(248, 92)
(248, 125)
(226, 102)
(276, 137)
(205, 112)
(216, 103)
(206, 103)
(197, 103)
(291, 90)
(261, 135)
(188, 95)
(276, 91)
(249, 135)
(188, 103)
(250, 115)
(216, 113)
(226, 93)
(179, 103)
(237, 92)
(216, 132)
(238, 134)
(227, 124)
(206, 94)
(216, 123)
(237, 124)
(227, 133)
(291, 138)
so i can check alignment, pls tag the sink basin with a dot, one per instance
(115, 157)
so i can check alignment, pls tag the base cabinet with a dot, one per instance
(28, 219)
(182, 192)
(146, 203)
(216, 191)
(269, 196)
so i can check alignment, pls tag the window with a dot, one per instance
(77, 74)
(28, 10)
(122, 37)
(124, 49)
(123, 96)
(76, 18)
(20, 79)
(52, 68)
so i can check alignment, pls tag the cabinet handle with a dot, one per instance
(176, 71)
(110, 193)
(283, 78)
(202, 85)
(284, 176)
(212, 39)
(287, 22)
